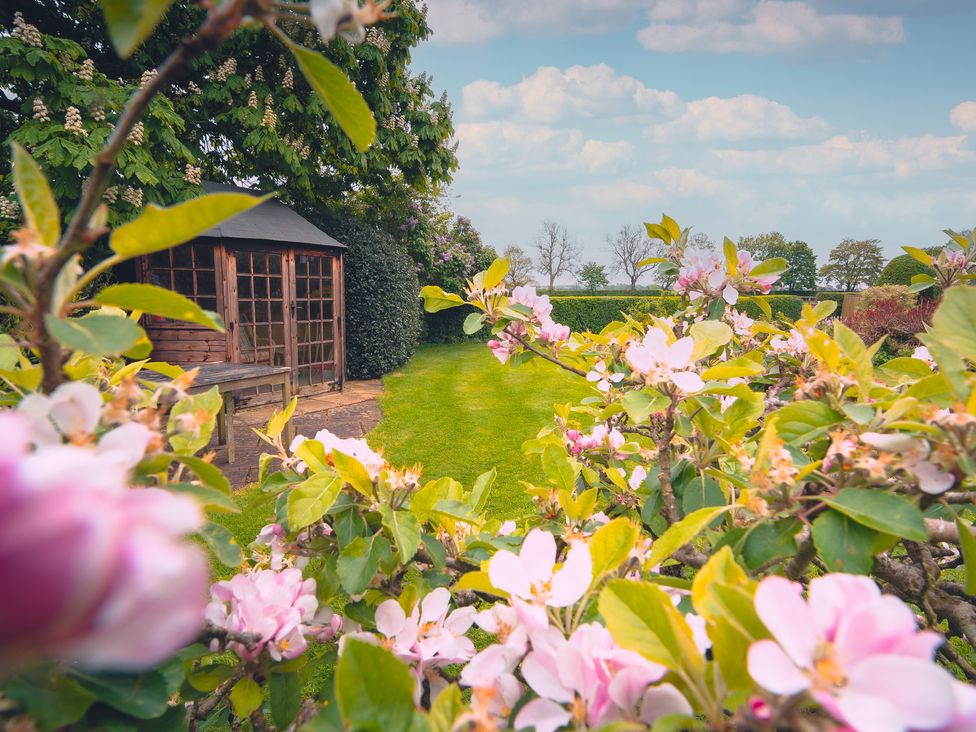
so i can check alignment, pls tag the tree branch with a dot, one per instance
(552, 359)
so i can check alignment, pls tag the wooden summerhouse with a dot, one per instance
(276, 280)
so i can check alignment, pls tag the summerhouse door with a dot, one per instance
(317, 313)
(263, 328)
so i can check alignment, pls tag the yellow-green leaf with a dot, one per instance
(352, 472)
(245, 697)
(131, 21)
(311, 499)
(496, 273)
(159, 228)
(339, 94)
(611, 545)
(36, 197)
(158, 301)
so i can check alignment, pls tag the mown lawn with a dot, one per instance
(457, 411)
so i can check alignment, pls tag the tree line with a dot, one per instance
(555, 254)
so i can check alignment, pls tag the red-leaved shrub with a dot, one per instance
(891, 318)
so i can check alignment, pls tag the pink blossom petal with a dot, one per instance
(679, 353)
(772, 669)
(541, 672)
(573, 579)
(931, 478)
(390, 618)
(891, 693)
(919, 645)
(874, 627)
(662, 700)
(459, 621)
(687, 381)
(730, 295)
(832, 594)
(506, 573)
(782, 610)
(434, 605)
(538, 555)
(543, 715)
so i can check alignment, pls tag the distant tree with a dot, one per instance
(592, 276)
(629, 248)
(519, 267)
(556, 253)
(852, 263)
(701, 241)
(802, 271)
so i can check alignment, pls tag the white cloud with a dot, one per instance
(550, 94)
(475, 21)
(842, 153)
(747, 116)
(690, 183)
(767, 26)
(500, 145)
(615, 195)
(963, 116)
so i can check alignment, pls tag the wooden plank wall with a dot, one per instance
(186, 344)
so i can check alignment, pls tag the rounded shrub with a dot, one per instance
(901, 269)
(382, 299)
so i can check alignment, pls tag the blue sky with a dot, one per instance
(823, 119)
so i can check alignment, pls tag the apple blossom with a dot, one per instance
(358, 448)
(503, 347)
(531, 575)
(922, 354)
(603, 377)
(914, 452)
(857, 652)
(275, 606)
(661, 362)
(539, 304)
(551, 332)
(92, 571)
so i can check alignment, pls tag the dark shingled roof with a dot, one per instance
(271, 221)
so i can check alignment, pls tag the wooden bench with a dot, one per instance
(231, 377)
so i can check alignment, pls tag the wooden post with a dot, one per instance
(228, 411)
(285, 400)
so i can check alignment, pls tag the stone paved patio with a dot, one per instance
(350, 413)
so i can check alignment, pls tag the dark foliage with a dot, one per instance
(892, 319)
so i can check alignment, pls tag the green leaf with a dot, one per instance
(158, 228)
(769, 541)
(639, 405)
(735, 367)
(222, 543)
(131, 21)
(641, 618)
(656, 231)
(709, 336)
(681, 533)
(559, 468)
(446, 708)
(881, 511)
(920, 254)
(311, 499)
(482, 490)
(36, 197)
(339, 94)
(954, 323)
(374, 690)
(207, 472)
(286, 698)
(157, 301)
(671, 226)
(352, 472)
(143, 696)
(844, 545)
(51, 699)
(776, 265)
(96, 334)
(435, 299)
(473, 323)
(245, 697)
(800, 422)
(204, 407)
(277, 423)
(405, 529)
(611, 544)
(312, 453)
(359, 560)
(967, 543)
(701, 492)
(496, 273)
(210, 498)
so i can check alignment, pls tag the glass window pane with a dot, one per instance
(243, 258)
(160, 259)
(183, 257)
(301, 288)
(244, 288)
(246, 312)
(206, 283)
(278, 334)
(207, 303)
(315, 310)
(277, 313)
(274, 286)
(274, 264)
(203, 256)
(161, 279)
(260, 288)
(183, 282)
(328, 336)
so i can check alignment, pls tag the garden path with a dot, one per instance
(351, 412)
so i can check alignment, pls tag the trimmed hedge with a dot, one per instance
(901, 269)
(382, 299)
(593, 313)
(837, 297)
(639, 292)
(446, 326)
